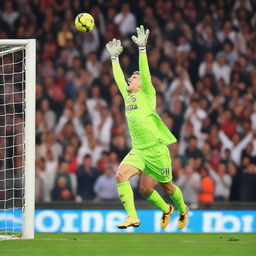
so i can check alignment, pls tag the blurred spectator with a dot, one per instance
(248, 152)
(90, 146)
(125, 20)
(208, 65)
(49, 115)
(68, 54)
(222, 182)
(177, 114)
(236, 145)
(65, 127)
(41, 125)
(103, 127)
(206, 195)
(105, 185)
(235, 174)
(39, 190)
(228, 123)
(49, 49)
(86, 176)
(103, 161)
(113, 160)
(229, 52)
(65, 185)
(118, 146)
(247, 183)
(61, 80)
(61, 190)
(64, 35)
(93, 65)
(195, 115)
(95, 103)
(221, 70)
(189, 182)
(177, 166)
(49, 174)
(227, 33)
(246, 4)
(192, 150)
(9, 15)
(49, 143)
(91, 42)
(70, 156)
(180, 87)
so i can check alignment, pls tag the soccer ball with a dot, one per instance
(84, 22)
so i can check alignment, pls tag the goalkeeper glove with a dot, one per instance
(142, 38)
(115, 48)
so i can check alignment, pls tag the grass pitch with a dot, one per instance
(132, 245)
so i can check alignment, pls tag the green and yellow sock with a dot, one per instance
(126, 196)
(177, 198)
(155, 199)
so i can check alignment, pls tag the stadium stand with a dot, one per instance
(202, 56)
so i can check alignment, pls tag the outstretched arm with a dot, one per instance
(119, 77)
(115, 48)
(141, 41)
(145, 76)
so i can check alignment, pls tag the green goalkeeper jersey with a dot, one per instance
(145, 126)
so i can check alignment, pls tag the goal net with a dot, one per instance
(17, 110)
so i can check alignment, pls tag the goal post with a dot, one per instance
(29, 209)
(17, 135)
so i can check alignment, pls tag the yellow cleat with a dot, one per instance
(166, 218)
(130, 222)
(183, 218)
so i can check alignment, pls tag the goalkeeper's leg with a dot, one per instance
(175, 194)
(124, 173)
(146, 189)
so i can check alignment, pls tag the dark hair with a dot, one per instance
(204, 168)
(87, 156)
(192, 137)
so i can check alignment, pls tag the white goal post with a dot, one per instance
(17, 135)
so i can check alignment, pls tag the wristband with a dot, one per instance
(114, 59)
(142, 49)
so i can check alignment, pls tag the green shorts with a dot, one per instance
(154, 161)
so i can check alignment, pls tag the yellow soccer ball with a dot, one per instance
(84, 22)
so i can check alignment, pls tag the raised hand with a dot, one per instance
(142, 36)
(115, 48)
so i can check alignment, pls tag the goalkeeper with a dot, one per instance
(150, 137)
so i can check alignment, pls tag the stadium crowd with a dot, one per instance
(202, 57)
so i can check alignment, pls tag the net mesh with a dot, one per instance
(12, 152)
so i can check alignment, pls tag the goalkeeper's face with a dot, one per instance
(134, 83)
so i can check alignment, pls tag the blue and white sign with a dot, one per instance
(208, 221)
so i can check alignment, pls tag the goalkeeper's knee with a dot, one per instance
(145, 191)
